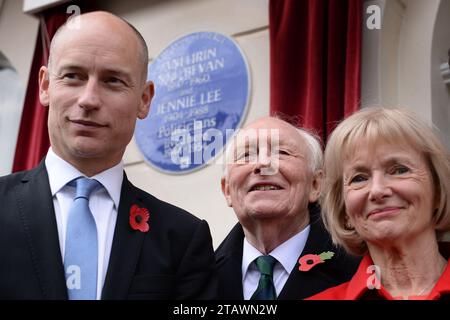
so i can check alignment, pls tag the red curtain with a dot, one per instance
(315, 60)
(33, 141)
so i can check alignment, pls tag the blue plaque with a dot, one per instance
(201, 96)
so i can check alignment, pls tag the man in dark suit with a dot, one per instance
(279, 249)
(95, 87)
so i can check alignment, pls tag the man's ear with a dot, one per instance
(226, 191)
(146, 99)
(316, 186)
(43, 86)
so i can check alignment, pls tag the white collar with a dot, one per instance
(60, 172)
(286, 253)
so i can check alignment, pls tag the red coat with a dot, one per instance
(357, 287)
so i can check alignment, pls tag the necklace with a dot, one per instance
(420, 295)
(423, 294)
(425, 290)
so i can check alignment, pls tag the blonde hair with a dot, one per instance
(394, 125)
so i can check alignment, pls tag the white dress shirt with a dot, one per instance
(286, 254)
(103, 203)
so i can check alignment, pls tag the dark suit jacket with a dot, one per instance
(173, 260)
(300, 284)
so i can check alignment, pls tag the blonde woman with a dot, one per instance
(386, 198)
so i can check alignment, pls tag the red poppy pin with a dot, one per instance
(310, 260)
(139, 218)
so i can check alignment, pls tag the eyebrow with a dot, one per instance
(68, 67)
(121, 74)
(388, 160)
(357, 168)
(114, 72)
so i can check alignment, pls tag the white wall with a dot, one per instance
(440, 93)
(380, 55)
(415, 52)
(401, 60)
(18, 33)
(12, 94)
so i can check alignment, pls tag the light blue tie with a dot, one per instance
(81, 248)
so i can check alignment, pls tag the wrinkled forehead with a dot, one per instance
(265, 140)
(101, 31)
(268, 137)
(74, 39)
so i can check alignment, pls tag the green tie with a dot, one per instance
(266, 289)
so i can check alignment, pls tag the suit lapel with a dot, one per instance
(338, 269)
(304, 284)
(299, 284)
(37, 215)
(126, 247)
(229, 264)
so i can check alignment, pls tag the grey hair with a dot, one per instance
(315, 159)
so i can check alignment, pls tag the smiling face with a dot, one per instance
(285, 193)
(94, 90)
(388, 192)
